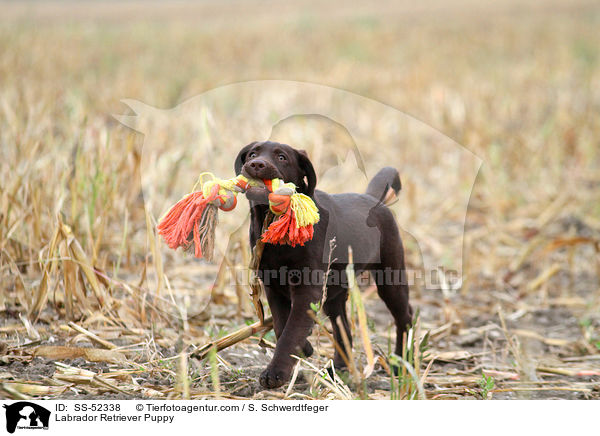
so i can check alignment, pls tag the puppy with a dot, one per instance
(360, 221)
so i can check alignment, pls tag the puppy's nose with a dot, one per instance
(257, 164)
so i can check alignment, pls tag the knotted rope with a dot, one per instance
(192, 220)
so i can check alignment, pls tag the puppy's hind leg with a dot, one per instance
(393, 288)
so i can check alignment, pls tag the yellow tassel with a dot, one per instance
(305, 209)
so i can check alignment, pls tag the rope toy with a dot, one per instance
(192, 220)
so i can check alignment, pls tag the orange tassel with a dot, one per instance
(284, 230)
(183, 218)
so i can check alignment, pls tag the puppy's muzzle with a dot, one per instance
(260, 169)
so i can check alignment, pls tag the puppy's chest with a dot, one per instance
(280, 255)
(275, 256)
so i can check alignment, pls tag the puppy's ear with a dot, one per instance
(306, 187)
(241, 158)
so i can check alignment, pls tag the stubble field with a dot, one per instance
(491, 107)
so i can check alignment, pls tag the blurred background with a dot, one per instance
(494, 106)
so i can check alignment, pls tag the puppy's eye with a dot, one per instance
(282, 157)
(252, 155)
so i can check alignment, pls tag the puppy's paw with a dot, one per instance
(331, 373)
(307, 349)
(272, 378)
(341, 371)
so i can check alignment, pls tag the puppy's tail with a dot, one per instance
(385, 185)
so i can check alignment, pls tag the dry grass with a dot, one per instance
(93, 305)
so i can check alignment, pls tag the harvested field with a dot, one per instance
(489, 111)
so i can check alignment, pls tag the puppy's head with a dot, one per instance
(269, 160)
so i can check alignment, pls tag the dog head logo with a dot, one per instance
(206, 132)
(24, 414)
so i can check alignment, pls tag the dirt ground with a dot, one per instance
(545, 359)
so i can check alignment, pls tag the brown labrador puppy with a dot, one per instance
(294, 276)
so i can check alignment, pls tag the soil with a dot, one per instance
(475, 344)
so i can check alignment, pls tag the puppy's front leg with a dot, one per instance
(293, 337)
